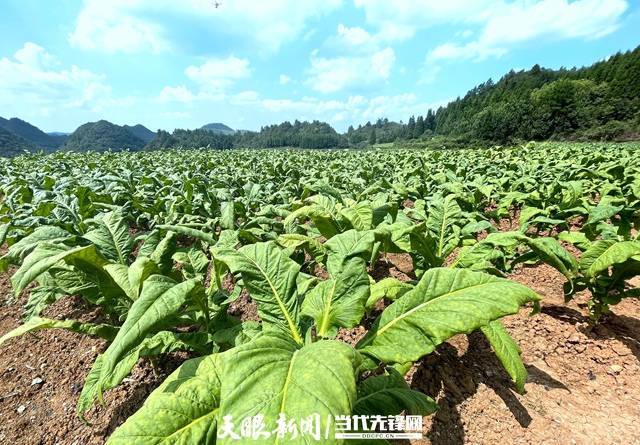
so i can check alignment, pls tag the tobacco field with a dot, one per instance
(258, 281)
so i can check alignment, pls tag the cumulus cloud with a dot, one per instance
(333, 74)
(212, 78)
(284, 79)
(177, 94)
(34, 79)
(501, 24)
(152, 25)
(217, 73)
(401, 19)
(354, 36)
(515, 23)
(105, 26)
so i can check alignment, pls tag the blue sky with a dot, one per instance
(180, 64)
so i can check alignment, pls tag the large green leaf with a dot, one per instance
(479, 256)
(340, 300)
(602, 212)
(360, 215)
(507, 351)
(47, 255)
(270, 276)
(551, 252)
(131, 278)
(444, 303)
(36, 324)
(183, 410)
(405, 237)
(44, 234)
(389, 394)
(322, 219)
(237, 334)
(4, 230)
(444, 213)
(389, 288)
(101, 378)
(163, 252)
(271, 376)
(161, 298)
(605, 253)
(293, 241)
(350, 244)
(111, 237)
(227, 215)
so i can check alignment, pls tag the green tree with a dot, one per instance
(411, 128)
(372, 137)
(430, 120)
(419, 129)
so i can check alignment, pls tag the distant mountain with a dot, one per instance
(102, 136)
(219, 128)
(142, 132)
(58, 133)
(30, 133)
(13, 145)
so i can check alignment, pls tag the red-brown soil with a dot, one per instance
(44, 413)
(583, 387)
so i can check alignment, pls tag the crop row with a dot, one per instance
(165, 243)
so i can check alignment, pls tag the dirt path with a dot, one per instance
(583, 388)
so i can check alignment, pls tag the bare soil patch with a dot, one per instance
(42, 374)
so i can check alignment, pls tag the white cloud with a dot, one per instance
(34, 81)
(502, 24)
(400, 19)
(466, 51)
(212, 78)
(216, 74)
(154, 25)
(355, 36)
(515, 23)
(34, 56)
(354, 40)
(329, 75)
(284, 79)
(105, 26)
(177, 94)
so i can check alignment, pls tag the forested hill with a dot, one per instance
(597, 102)
(218, 127)
(314, 134)
(33, 135)
(140, 131)
(102, 136)
(12, 145)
